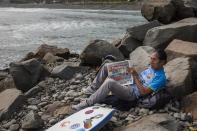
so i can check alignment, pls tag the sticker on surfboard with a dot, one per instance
(88, 119)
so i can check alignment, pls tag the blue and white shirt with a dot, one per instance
(150, 78)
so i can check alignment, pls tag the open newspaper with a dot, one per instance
(119, 72)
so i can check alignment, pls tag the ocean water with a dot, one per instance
(24, 29)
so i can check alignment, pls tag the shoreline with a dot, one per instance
(100, 6)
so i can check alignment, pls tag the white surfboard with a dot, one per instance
(88, 119)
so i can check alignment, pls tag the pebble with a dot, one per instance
(144, 111)
(32, 107)
(183, 116)
(7, 125)
(42, 104)
(52, 121)
(177, 115)
(14, 127)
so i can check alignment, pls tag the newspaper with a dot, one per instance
(119, 72)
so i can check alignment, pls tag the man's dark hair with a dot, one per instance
(162, 55)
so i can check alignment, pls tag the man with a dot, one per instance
(150, 80)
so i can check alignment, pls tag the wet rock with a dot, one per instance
(96, 50)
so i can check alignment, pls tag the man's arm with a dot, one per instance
(143, 90)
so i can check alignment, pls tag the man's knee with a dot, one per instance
(110, 82)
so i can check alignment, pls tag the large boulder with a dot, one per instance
(179, 48)
(10, 100)
(185, 8)
(161, 10)
(167, 11)
(128, 44)
(134, 37)
(32, 121)
(189, 104)
(179, 74)
(96, 50)
(27, 74)
(155, 122)
(161, 36)
(67, 70)
(44, 49)
(140, 57)
(139, 32)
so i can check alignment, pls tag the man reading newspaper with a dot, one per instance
(150, 80)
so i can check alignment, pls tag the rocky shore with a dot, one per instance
(37, 91)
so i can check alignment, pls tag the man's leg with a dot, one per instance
(122, 92)
(98, 80)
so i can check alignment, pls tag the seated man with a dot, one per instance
(150, 80)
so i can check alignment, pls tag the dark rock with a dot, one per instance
(27, 74)
(116, 43)
(139, 32)
(44, 49)
(161, 36)
(33, 91)
(185, 8)
(128, 44)
(161, 10)
(32, 121)
(96, 50)
(67, 72)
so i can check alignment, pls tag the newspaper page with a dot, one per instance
(119, 72)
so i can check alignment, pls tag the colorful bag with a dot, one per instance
(156, 100)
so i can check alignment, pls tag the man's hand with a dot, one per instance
(132, 71)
